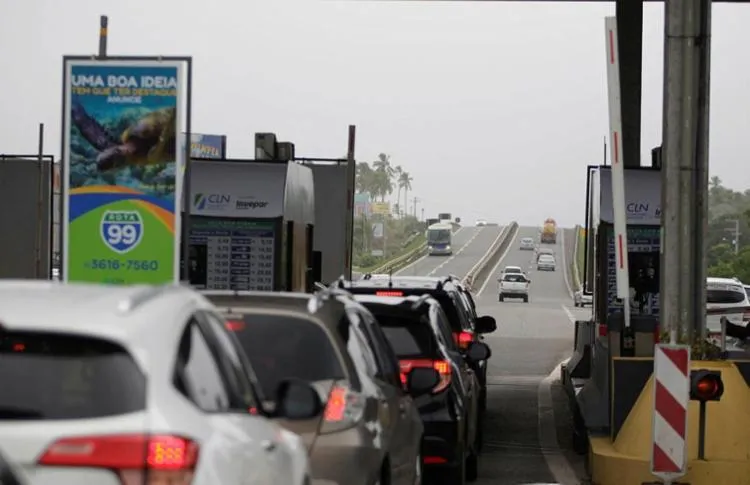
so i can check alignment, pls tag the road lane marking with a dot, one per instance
(399, 272)
(561, 469)
(570, 315)
(453, 256)
(499, 261)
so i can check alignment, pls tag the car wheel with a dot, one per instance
(525, 299)
(472, 467)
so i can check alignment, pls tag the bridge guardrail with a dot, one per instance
(502, 241)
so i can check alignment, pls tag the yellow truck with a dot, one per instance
(549, 232)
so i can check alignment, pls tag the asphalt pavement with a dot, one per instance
(469, 245)
(527, 427)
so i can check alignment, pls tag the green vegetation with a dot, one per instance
(403, 232)
(729, 213)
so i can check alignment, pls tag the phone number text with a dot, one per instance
(126, 264)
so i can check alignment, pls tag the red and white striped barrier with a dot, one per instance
(671, 399)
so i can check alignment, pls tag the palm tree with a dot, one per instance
(397, 173)
(404, 182)
(384, 175)
(364, 178)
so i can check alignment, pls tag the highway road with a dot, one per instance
(527, 427)
(469, 245)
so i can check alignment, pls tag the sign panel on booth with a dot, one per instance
(120, 149)
(642, 196)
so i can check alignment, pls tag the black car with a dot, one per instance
(419, 333)
(455, 301)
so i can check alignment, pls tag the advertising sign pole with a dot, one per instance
(120, 192)
(618, 169)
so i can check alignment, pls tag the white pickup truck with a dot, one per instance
(513, 285)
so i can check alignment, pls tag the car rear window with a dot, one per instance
(725, 296)
(514, 278)
(51, 376)
(446, 301)
(409, 337)
(281, 347)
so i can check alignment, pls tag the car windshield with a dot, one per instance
(725, 296)
(514, 278)
(281, 347)
(512, 269)
(527, 240)
(438, 235)
(547, 259)
(54, 377)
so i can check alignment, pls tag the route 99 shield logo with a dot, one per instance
(121, 231)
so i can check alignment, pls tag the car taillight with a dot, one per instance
(443, 367)
(343, 410)
(463, 339)
(137, 459)
(235, 325)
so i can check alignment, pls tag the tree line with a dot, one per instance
(381, 177)
(728, 236)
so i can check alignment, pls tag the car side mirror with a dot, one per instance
(421, 380)
(477, 352)
(297, 400)
(486, 324)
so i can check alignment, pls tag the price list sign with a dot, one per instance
(643, 262)
(232, 254)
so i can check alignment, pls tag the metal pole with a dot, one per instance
(351, 180)
(39, 197)
(103, 23)
(187, 196)
(604, 155)
(681, 289)
(700, 181)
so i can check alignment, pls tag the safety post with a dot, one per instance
(618, 170)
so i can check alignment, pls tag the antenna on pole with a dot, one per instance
(103, 23)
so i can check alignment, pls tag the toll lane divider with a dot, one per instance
(476, 275)
(574, 269)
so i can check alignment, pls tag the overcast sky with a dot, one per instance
(494, 108)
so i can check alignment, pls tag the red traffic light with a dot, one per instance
(706, 385)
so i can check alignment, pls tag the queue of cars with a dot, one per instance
(369, 382)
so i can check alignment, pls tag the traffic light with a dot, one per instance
(706, 385)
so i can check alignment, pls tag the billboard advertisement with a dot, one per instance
(381, 208)
(206, 146)
(120, 149)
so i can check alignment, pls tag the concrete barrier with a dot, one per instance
(474, 277)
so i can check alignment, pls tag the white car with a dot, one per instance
(527, 244)
(726, 293)
(513, 285)
(481, 222)
(511, 269)
(545, 262)
(581, 299)
(122, 385)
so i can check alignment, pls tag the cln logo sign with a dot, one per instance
(211, 201)
(642, 210)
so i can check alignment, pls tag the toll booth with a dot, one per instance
(611, 362)
(251, 225)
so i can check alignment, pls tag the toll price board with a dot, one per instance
(643, 271)
(232, 254)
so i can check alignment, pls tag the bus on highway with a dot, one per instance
(439, 239)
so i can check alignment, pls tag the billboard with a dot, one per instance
(206, 146)
(121, 221)
(381, 208)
